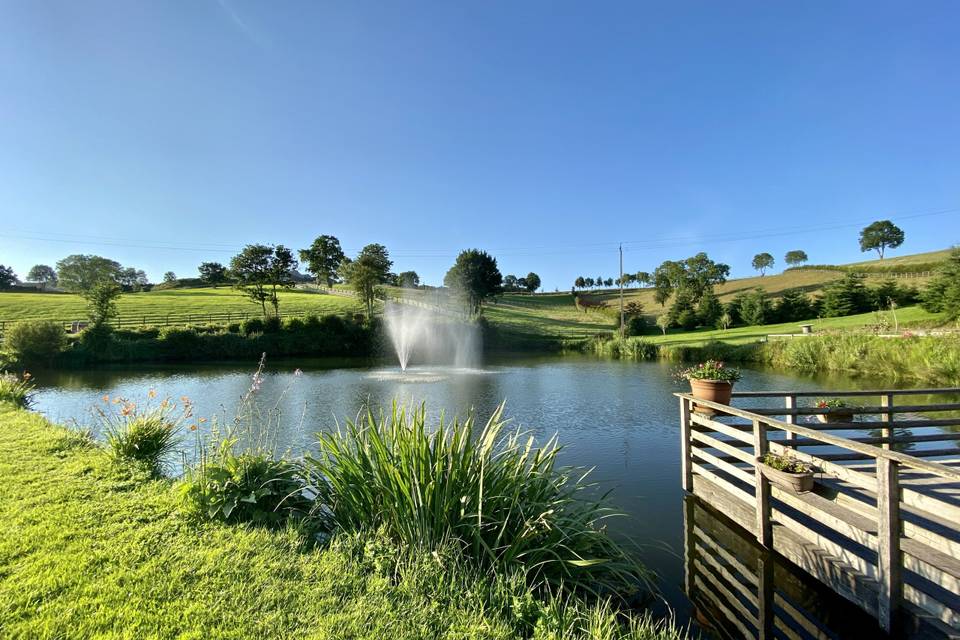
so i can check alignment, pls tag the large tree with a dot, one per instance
(795, 257)
(762, 262)
(7, 277)
(408, 280)
(510, 283)
(369, 270)
(880, 236)
(943, 292)
(212, 273)
(580, 282)
(532, 282)
(131, 279)
(79, 273)
(323, 259)
(251, 269)
(280, 274)
(475, 276)
(43, 274)
(642, 278)
(687, 280)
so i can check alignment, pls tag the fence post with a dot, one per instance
(760, 448)
(790, 403)
(889, 560)
(685, 452)
(886, 402)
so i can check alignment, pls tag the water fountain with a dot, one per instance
(427, 337)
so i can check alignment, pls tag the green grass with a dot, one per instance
(90, 549)
(179, 302)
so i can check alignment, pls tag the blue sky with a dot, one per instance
(162, 134)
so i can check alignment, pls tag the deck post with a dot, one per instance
(886, 401)
(889, 560)
(790, 403)
(686, 455)
(765, 613)
(760, 449)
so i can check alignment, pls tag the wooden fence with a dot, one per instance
(881, 527)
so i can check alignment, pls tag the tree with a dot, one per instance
(793, 306)
(169, 278)
(642, 278)
(589, 282)
(691, 277)
(532, 282)
(608, 282)
(370, 270)
(280, 274)
(102, 302)
(323, 259)
(510, 283)
(131, 279)
(942, 294)
(880, 236)
(408, 280)
(212, 273)
(251, 269)
(599, 281)
(724, 321)
(762, 262)
(755, 307)
(78, 273)
(7, 277)
(476, 277)
(796, 257)
(521, 284)
(43, 274)
(580, 283)
(663, 321)
(709, 309)
(845, 297)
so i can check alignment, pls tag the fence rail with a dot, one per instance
(881, 527)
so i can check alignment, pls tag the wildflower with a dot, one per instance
(27, 375)
(202, 420)
(106, 398)
(193, 427)
(152, 393)
(184, 399)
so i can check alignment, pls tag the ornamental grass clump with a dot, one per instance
(147, 435)
(490, 492)
(17, 390)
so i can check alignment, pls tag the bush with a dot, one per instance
(635, 326)
(15, 389)
(179, 343)
(504, 504)
(251, 326)
(34, 340)
(96, 340)
(272, 324)
(943, 292)
(233, 327)
(845, 297)
(146, 436)
(294, 324)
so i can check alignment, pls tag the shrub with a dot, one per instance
(16, 389)
(943, 292)
(503, 502)
(147, 436)
(294, 324)
(34, 340)
(180, 342)
(635, 326)
(96, 339)
(847, 296)
(272, 324)
(251, 326)
(233, 327)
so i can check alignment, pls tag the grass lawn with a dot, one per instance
(93, 550)
(178, 302)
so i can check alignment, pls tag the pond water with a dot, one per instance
(616, 416)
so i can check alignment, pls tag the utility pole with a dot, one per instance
(621, 292)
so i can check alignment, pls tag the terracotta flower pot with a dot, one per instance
(795, 482)
(841, 414)
(719, 391)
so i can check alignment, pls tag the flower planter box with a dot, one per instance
(719, 391)
(836, 415)
(795, 482)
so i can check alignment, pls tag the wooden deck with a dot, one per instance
(881, 526)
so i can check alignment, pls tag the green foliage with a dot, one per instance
(7, 277)
(147, 436)
(323, 259)
(179, 343)
(44, 274)
(683, 312)
(532, 282)
(365, 274)
(475, 277)
(942, 294)
(79, 273)
(761, 262)
(786, 463)
(408, 280)
(212, 273)
(709, 309)
(261, 271)
(889, 292)
(880, 236)
(691, 277)
(251, 326)
(755, 307)
(101, 300)
(501, 500)
(794, 306)
(846, 296)
(795, 258)
(16, 390)
(710, 370)
(635, 326)
(31, 341)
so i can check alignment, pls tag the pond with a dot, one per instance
(618, 417)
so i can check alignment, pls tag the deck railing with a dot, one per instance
(891, 518)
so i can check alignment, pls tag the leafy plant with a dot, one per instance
(710, 370)
(16, 389)
(786, 463)
(502, 501)
(830, 403)
(147, 435)
(34, 340)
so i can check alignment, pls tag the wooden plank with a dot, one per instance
(731, 579)
(889, 562)
(762, 486)
(721, 589)
(886, 401)
(931, 505)
(801, 617)
(846, 474)
(931, 605)
(845, 555)
(686, 474)
(726, 430)
(851, 524)
(849, 393)
(725, 485)
(736, 472)
(719, 445)
(862, 410)
(717, 549)
(935, 566)
(707, 592)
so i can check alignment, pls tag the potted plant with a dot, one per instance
(837, 411)
(786, 472)
(712, 381)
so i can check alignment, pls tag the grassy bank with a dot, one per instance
(93, 549)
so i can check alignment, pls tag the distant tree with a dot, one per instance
(102, 301)
(323, 259)
(942, 294)
(408, 280)
(847, 296)
(7, 277)
(510, 283)
(642, 278)
(521, 284)
(589, 282)
(663, 321)
(599, 281)
(793, 306)
(367, 272)
(755, 307)
(880, 236)
(724, 321)
(476, 277)
(709, 309)
(608, 282)
(78, 273)
(43, 274)
(683, 311)
(580, 282)
(280, 275)
(169, 278)
(131, 279)
(251, 272)
(796, 257)
(532, 282)
(762, 262)
(691, 278)
(212, 273)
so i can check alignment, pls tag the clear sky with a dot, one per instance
(163, 134)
